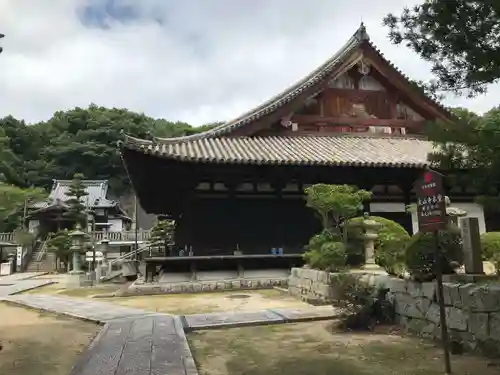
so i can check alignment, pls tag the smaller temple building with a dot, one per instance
(49, 216)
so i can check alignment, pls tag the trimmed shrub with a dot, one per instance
(325, 254)
(420, 253)
(389, 246)
(490, 245)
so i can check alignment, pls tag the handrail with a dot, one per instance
(126, 235)
(7, 237)
(43, 250)
(133, 252)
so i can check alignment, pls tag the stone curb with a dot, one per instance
(49, 282)
(76, 316)
(43, 310)
(279, 319)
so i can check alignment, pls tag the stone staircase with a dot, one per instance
(41, 260)
(47, 264)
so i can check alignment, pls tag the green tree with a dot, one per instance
(12, 202)
(469, 151)
(458, 37)
(77, 209)
(163, 233)
(335, 204)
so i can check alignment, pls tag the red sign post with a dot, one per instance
(431, 213)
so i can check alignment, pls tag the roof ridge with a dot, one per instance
(356, 39)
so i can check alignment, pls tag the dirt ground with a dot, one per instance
(185, 304)
(39, 344)
(318, 349)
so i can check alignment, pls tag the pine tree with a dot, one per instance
(163, 232)
(76, 208)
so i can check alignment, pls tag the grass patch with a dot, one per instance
(198, 303)
(314, 349)
(39, 343)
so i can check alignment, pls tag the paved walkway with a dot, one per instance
(19, 276)
(139, 342)
(87, 309)
(102, 312)
(20, 282)
(154, 345)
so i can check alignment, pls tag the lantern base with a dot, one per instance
(373, 267)
(77, 279)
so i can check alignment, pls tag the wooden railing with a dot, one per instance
(128, 235)
(7, 237)
(142, 235)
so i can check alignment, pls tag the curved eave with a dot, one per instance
(339, 151)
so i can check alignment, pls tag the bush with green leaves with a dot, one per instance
(363, 304)
(490, 246)
(420, 253)
(324, 253)
(389, 246)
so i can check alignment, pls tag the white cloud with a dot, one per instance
(196, 60)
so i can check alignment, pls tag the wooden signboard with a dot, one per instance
(431, 202)
(431, 211)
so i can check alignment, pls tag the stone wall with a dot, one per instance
(141, 288)
(318, 287)
(472, 310)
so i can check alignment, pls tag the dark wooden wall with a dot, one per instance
(216, 226)
(255, 224)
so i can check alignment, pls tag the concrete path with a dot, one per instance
(253, 318)
(19, 286)
(154, 345)
(86, 309)
(19, 276)
(102, 312)
(139, 342)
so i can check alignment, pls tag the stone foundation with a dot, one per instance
(472, 310)
(139, 288)
(319, 287)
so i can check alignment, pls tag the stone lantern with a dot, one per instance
(370, 234)
(104, 249)
(453, 213)
(77, 247)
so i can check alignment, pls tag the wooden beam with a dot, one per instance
(356, 121)
(400, 82)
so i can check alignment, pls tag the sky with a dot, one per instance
(189, 60)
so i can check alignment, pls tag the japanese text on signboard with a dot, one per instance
(431, 203)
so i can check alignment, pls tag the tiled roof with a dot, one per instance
(341, 150)
(309, 82)
(97, 191)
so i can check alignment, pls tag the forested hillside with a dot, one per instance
(76, 141)
(81, 140)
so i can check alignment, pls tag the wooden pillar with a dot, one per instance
(233, 227)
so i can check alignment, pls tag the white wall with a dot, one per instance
(116, 225)
(473, 210)
(387, 207)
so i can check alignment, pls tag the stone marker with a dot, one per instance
(473, 261)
